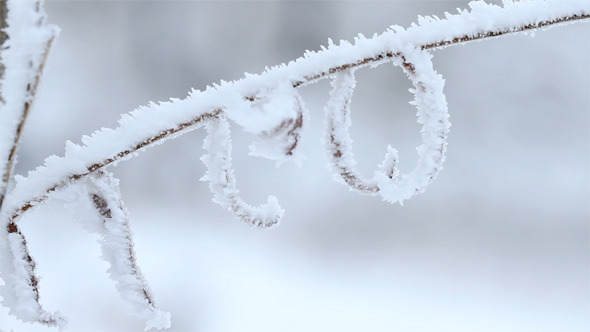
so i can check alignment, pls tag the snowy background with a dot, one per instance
(498, 242)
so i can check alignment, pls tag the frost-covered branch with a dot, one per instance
(25, 40)
(118, 248)
(3, 35)
(267, 105)
(25, 45)
(155, 123)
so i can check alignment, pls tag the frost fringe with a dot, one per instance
(222, 182)
(118, 250)
(432, 114)
(23, 57)
(26, 40)
(267, 105)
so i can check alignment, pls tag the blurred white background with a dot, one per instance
(498, 242)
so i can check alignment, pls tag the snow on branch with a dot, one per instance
(118, 249)
(24, 52)
(155, 123)
(337, 140)
(25, 44)
(432, 115)
(267, 105)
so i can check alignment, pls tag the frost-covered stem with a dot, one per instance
(222, 182)
(118, 250)
(20, 292)
(66, 180)
(279, 140)
(3, 37)
(432, 115)
(507, 31)
(31, 89)
(25, 46)
(26, 40)
(459, 39)
(153, 125)
(290, 129)
(337, 140)
(480, 23)
(17, 267)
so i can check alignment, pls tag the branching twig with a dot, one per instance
(430, 34)
(154, 124)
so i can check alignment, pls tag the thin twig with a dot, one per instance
(31, 91)
(118, 250)
(222, 181)
(441, 44)
(3, 36)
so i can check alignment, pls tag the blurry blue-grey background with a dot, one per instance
(498, 242)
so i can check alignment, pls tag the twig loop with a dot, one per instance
(432, 115)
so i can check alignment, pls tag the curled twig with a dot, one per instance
(281, 140)
(432, 114)
(156, 123)
(337, 139)
(222, 182)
